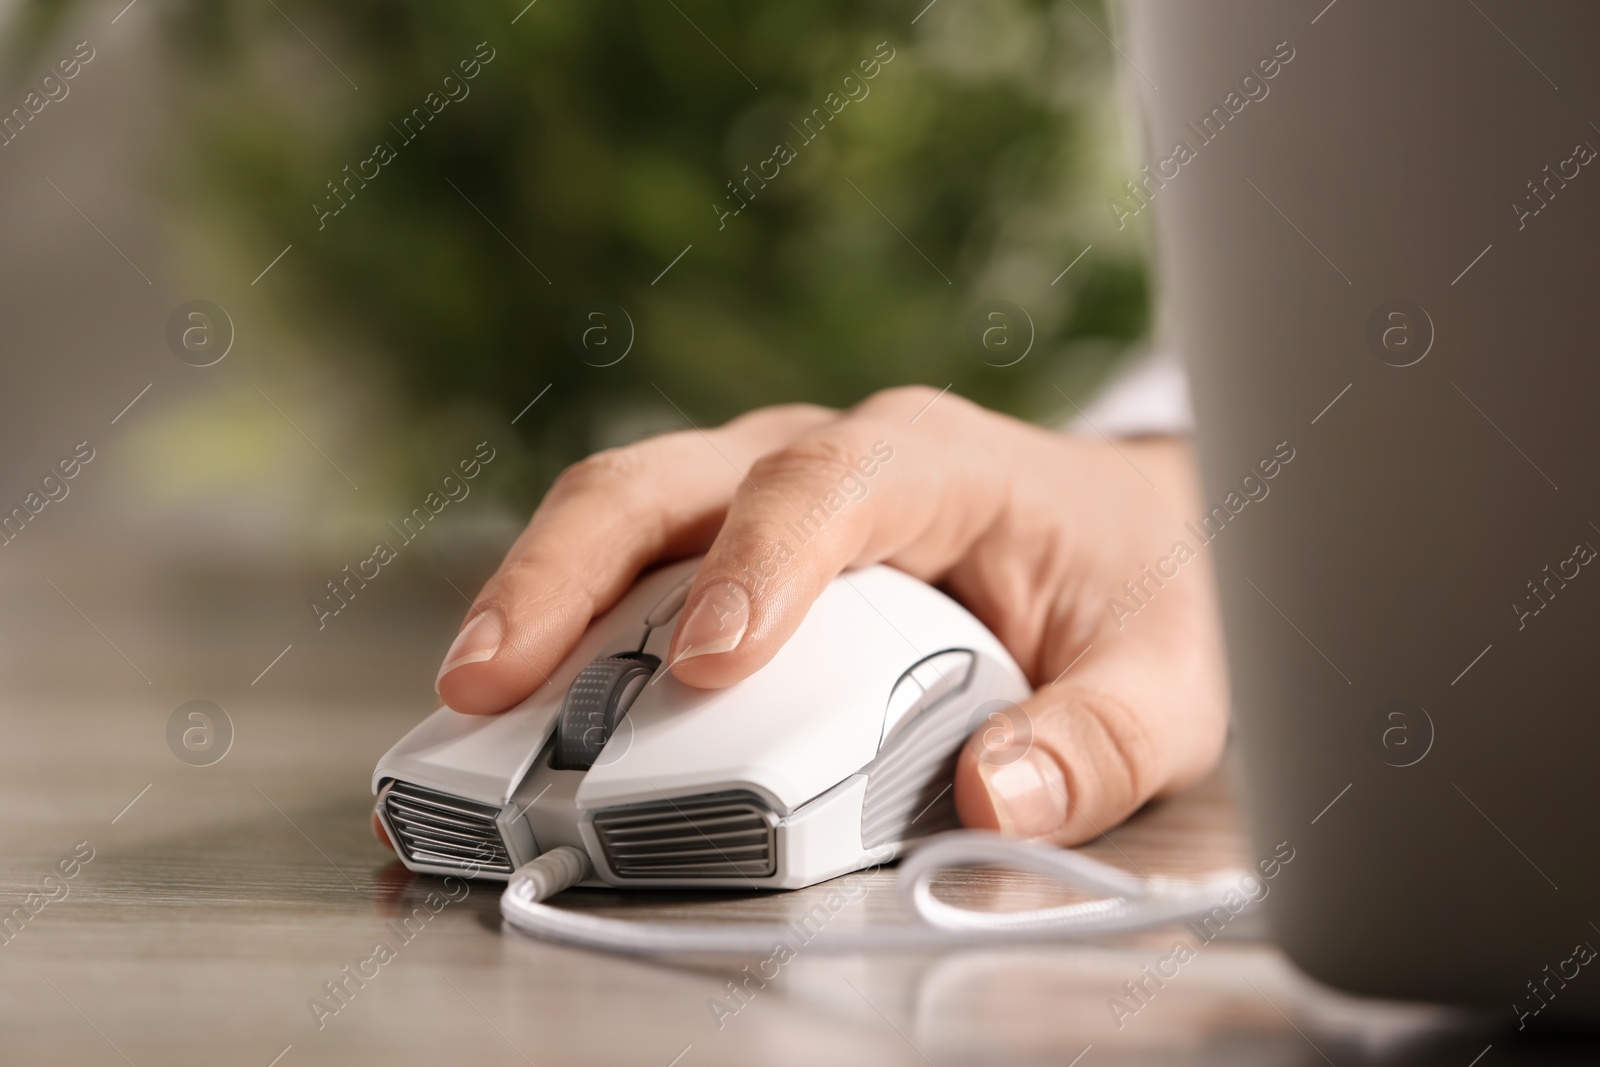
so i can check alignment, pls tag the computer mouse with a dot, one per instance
(834, 756)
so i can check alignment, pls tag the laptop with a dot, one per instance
(1377, 230)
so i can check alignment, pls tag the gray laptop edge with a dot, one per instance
(1379, 250)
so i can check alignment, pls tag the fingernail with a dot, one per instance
(1029, 794)
(716, 623)
(478, 640)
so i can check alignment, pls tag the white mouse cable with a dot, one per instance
(1128, 903)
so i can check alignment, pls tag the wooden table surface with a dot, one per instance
(224, 898)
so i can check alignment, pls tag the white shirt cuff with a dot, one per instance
(1150, 395)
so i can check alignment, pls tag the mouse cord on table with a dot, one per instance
(1124, 903)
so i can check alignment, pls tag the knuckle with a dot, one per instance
(1116, 747)
(783, 414)
(809, 411)
(602, 469)
(900, 396)
(903, 401)
(811, 459)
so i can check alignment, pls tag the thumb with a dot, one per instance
(1080, 756)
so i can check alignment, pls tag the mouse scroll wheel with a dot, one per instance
(596, 702)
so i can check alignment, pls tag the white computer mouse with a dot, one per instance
(829, 758)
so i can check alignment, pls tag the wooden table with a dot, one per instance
(221, 899)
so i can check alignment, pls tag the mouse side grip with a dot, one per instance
(909, 791)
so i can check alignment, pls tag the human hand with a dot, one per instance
(1033, 531)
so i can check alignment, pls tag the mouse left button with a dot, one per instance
(670, 604)
(596, 701)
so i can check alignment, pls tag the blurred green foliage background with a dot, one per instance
(597, 144)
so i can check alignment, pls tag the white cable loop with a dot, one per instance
(1127, 903)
